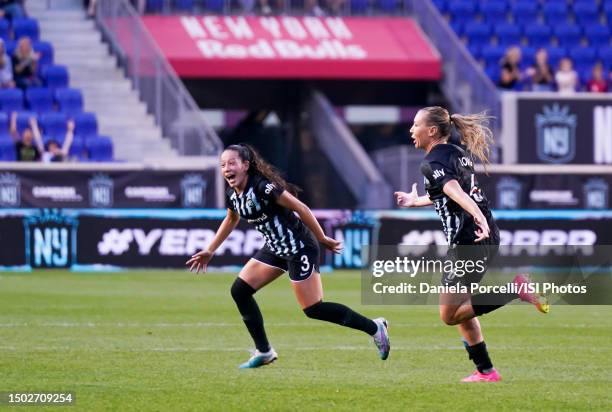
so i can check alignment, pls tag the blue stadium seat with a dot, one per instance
(494, 11)
(154, 6)
(538, 35)
(493, 54)
(508, 34)
(214, 6)
(9, 46)
(55, 76)
(86, 125)
(555, 12)
(478, 34)
(4, 125)
(359, 6)
(78, 149)
(597, 35)
(46, 52)
(586, 12)
(457, 27)
(70, 101)
(555, 54)
(441, 5)
(5, 29)
(475, 51)
(26, 27)
(7, 151)
(494, 73)
(462, 10)
(11, 100)
(53, 126)
(39, 99)
(184, 5)
(583, 56)
(525, 12)
(100, 148)
(23, 120)
(605, 54)
(528, 56)
(387, 6)
(569, 35)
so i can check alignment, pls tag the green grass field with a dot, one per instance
(172, 341)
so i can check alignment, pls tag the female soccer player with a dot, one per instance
(452, 188)
(258, 194)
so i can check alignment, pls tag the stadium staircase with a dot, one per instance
(106, 91)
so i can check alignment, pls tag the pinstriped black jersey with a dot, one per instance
(285, 234)
(442, 164)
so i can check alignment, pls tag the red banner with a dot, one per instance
(295, 47)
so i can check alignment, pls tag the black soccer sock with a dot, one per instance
(480, 356)
(482, 303)
(242, 293)
(341, 315)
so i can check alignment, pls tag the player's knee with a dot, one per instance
(241, 290)
(314, 311)
(448, 318)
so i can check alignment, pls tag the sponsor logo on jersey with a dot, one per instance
(269, 188)
(438, 173)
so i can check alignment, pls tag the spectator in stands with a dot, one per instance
(312, 8)
(270, 7)
(597, 83)
(566, 77)
(542, 79)
(25, 63)
(27, 147)
(53, 152)
(6, 68)
(510, 72)
(12, 9)
(335, 7)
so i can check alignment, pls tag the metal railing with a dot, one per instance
(464, 82)
(157, 83)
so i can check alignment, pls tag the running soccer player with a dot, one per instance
(259, 194)
(452, 188)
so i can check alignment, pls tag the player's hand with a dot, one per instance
(332, 244)
(483, 229)
(404, 199)
(199, 261)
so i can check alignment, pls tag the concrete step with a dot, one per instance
(102, 86)
(80, 75)
(82, 54)
(149, 135)
(116, 109)
(74, 40)
(68, 27)
(126, 120)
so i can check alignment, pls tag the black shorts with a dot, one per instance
(300, 266)
(484, 252)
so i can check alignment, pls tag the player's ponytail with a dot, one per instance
(475, 134)
(258, 165)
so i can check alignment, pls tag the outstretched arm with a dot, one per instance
(13, 127)
(37, 136)
(412, 199)
(453, 190)
(289, 201)
(200, 260)
(69, 138)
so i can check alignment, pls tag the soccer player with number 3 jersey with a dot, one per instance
(259, 194)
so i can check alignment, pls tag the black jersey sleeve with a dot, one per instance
(228, 201)
(438, 173)
(267, 191)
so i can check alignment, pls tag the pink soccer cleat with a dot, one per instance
(539, 301)
(492, 376)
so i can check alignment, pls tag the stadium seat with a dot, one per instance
(528, 56)
(475, 51)
(359, 6)
(387, 6)
(441, 5)
(11, 100)
(46, 51)
(583, 56)
(586, 12)
(493, 54)
(494, 11)
(525, 12)
(78, 149)
(39, 99)
(86, 125)
(7, 151)
(457, 27)
(462, 10)
(184, 5)
(555, 54)
(23, 120)
(597, 35)
(26, 27)
(100, 148)
(154, 6)
(538, 35)
(9, 46)
(5, 29)
(4, 125)
(605, 55)
(53, 126)
(508, 34)
(55, 76)
(478, 34)
(569, 35)
(493, 72)
(215, 6)
(555, 12)
(70, 101)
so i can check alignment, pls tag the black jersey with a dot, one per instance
(443, 163)
(285, 234)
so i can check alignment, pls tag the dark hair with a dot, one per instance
(258, 166)
(473, 129)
